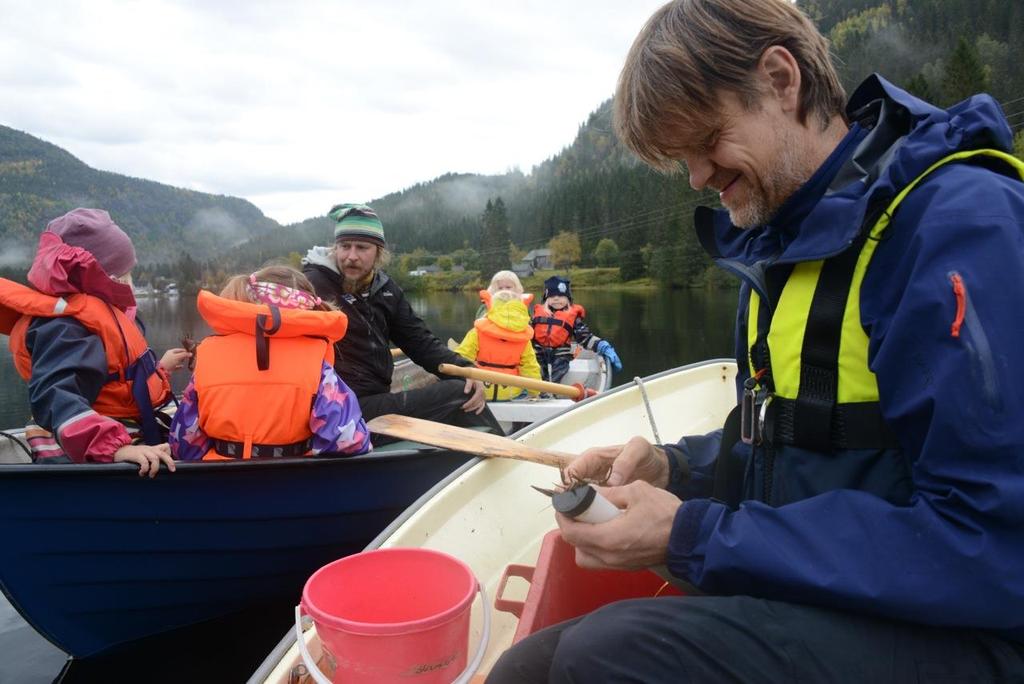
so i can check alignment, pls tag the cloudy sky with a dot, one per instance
(298, 105)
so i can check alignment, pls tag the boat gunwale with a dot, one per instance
(113, 469)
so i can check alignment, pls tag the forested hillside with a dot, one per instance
(39, 181)
(943, 50)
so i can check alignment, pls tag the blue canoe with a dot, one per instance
(94, 557)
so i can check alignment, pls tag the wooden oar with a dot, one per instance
(576, 392)
(463, 439)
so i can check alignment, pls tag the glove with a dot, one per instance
(605, 349)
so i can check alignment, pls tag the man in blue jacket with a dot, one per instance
(861, 515)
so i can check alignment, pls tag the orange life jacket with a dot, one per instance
(129, 358)
(555, 328)
(257, 376)
(500, 349)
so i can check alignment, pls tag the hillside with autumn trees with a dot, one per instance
(592, 203)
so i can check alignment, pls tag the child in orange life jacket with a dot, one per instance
(556, 323)
(76, 340)
(264, 384)
(501, 342)
(503, 281)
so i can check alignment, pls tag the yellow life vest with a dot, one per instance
(821, 397)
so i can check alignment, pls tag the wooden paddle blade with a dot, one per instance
(463, 439)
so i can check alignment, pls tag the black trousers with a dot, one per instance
(744, 639)
(554, 363)
(440, 401)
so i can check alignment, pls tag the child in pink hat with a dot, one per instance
(95, 387)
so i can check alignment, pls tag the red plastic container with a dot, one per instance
(561, 590)
(393, 615)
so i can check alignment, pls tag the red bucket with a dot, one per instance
(393, 615)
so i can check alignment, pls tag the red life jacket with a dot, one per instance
(555, 328)
(135, 383)
(257, 376)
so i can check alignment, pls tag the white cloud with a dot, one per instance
(298, 105)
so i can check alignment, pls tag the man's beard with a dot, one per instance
(781, 179)
(350, 286)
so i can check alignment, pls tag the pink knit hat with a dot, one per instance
(95, 232)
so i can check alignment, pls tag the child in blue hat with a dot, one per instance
(557, 322)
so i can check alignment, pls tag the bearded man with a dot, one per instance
(350, 275)
(860, 517)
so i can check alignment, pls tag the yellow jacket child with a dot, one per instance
(501, 342)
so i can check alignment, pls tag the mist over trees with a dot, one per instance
(593, 190)
(40, 181)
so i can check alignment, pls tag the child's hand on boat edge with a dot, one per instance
(147, 457)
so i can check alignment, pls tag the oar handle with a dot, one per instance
(572, 391)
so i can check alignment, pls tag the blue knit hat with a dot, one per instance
(557, 285)
(357, 222)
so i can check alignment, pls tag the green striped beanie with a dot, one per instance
(357, 222)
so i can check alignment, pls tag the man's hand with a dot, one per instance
(635, 460)
(147, 457)
(638, 538)
(476, 402)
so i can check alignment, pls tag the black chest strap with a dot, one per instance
(815, 420)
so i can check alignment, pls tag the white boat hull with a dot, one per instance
(487, 514)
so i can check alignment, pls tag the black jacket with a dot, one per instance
(363, 357)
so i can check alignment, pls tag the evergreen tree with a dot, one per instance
(631, 265)
(965, 74)
(187, 274)
(666, 261)
(918, 85)
(693, 260)
(494, 242)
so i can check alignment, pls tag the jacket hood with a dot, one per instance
(227, 316)
(894, 138)
(60, 269)
(323, 257)
(509, 314)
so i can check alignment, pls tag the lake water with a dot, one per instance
(651, 330)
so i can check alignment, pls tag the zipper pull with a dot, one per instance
(960, 292)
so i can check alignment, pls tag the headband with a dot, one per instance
(281, 295)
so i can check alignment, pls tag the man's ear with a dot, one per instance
(782, 74)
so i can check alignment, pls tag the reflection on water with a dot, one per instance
(651, 330)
